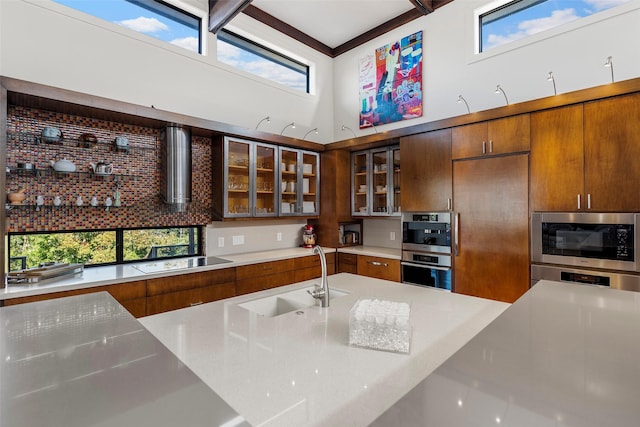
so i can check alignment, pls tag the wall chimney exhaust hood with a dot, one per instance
(175, 177)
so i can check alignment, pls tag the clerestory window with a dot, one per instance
(155, 18)
(507, 21)
(259, 60)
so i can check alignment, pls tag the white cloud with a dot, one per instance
(190, 43)
(144, 25)
(533, 26)
(599, 5)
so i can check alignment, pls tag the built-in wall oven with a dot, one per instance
(586, 247)
(426, 249)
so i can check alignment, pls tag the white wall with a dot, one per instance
(45, 42)
(575, 53)
(257, 236)
(377, 232)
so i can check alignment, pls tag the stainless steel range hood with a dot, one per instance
(175, 177)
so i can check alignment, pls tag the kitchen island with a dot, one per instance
(562, 355)
(85, 361)
(298, 368)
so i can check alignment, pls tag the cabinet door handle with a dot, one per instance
(579, 204)
(589, 201)
(484, 147)
(456, 234)
(449, 204)
(491, 146)
(193, 304)
(378, 263)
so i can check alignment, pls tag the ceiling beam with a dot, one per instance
(223, 11)
(380, 30)
(287, 29)
(424, 6)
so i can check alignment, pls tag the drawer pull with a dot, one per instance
(193, 304)
(378, 263)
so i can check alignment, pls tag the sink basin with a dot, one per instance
(286, 302)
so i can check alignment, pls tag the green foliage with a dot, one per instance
(94, 247)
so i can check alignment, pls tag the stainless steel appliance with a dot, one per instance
(176, 167)
(426, 249)
(610, 279)
(587, 248)
(586, 239)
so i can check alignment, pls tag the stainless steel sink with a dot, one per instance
(286, 302)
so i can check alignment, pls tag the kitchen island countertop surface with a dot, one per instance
(84, 361)
(143, 270)
(563, 355)
(299, 369)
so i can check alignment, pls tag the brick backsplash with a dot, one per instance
(138, 174)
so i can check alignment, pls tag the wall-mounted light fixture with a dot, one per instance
(267, 119)
(609, 64)
(551, 79)
(292, 125)
(461, 100)
(312, 130)
(349, 129)
(498, 90)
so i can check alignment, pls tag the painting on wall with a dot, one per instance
(391, 82)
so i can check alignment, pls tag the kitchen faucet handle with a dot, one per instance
(317, 292)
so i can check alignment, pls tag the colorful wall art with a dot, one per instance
(391, 83)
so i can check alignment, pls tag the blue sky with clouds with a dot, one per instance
(541, 17)
(138, 19)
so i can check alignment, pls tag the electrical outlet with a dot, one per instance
(221, 242)
(279, 237)
(238, 240)
(392, 235)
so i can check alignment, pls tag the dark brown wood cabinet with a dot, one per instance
(557, 159)
(491, 197)
(132, 296)
(347, 263)
(585, 157)
(493, 137)
(426, 178)
(264, 275)
(378, 267)
(309, 267)
(612, 153)
(185, 290)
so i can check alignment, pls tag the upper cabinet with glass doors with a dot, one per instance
(299, 182)
(375, 178)
(250, 178)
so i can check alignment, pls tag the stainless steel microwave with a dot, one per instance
(586, 239)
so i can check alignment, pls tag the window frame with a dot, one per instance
(550, 32)
(267, 53)
(119, 239)
(172, 5)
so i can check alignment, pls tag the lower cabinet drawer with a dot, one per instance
(260, 283)
(347, 263)
(190, 297)
(380, 268)
(309, 273)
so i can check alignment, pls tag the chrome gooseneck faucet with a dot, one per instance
(321, 292)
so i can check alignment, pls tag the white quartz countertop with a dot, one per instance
(373, 251)
(562, 355)
(298, 369)
(84, 361)
(143, 270)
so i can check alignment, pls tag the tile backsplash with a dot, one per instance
(136, 175)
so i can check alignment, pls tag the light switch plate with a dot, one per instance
(238, 240)
(392, 235)
(279, 237)
(221, 242)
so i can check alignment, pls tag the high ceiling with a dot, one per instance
(330, 26)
